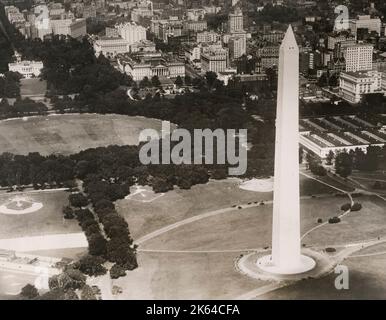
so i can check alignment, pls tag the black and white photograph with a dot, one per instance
(192, 150)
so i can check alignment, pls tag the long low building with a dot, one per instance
(149, 65)
(336, 134)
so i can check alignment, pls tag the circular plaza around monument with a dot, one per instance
(305, 264)
(20, 205)
(258, 265)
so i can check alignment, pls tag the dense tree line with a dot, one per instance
(21, 108)
(9, 85)
(373, 159)
(70, 66)
(282, 14)
(191, 111)
(7, 35)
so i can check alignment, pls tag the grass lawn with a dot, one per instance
(367, 277)
(368, 223)
(179, 204)
(71, 133)
(185, 276)
(47, 220)
(11, 283)
(32, 87)
(210, 275)
(248, 228)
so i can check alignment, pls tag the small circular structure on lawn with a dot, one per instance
(258, 185)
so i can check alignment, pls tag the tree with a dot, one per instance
(155, 81)
(188, 80)
(78, 200)
(145, 83)
(97, 244)
(87, 293)
(356, 206)
(272, 78)
(117, 271)
(92, 265)
(69, 279)
(29, 292)
(103, 204)
(334, 220)
(161, 185)
(210, 78)
(179, 82)
(330, 157)
(119, 251)
(345, 207)
(68, 212)
(343, 164)
(371, 159)
(317, 168)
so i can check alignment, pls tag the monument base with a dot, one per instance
(305, 264)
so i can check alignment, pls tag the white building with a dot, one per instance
(353, 85)
(75, 28)
(333, 39)
(208, 37)
(237, 47)
(236, 21)
(144, 9)
(28, 69)
(195, 14)
(149, 65)
(365, 22)
(212, 9)
(192, 52)
(13, 14)
(359, 57)
(214, 58)
(142, 46)
(131, 32)
(195, 26)
(110, 47)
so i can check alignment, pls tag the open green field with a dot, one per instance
(32, 87)
(367, 278)
(368, 223)
(196, 259)
(47, 220)
(176, 205)
(70, 133)
(248, 228)
(11, 283)
(185, 276)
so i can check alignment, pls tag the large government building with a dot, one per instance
(149, 64)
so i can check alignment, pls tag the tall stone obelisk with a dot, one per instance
(286, 257)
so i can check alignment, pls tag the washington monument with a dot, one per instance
(286, 257)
